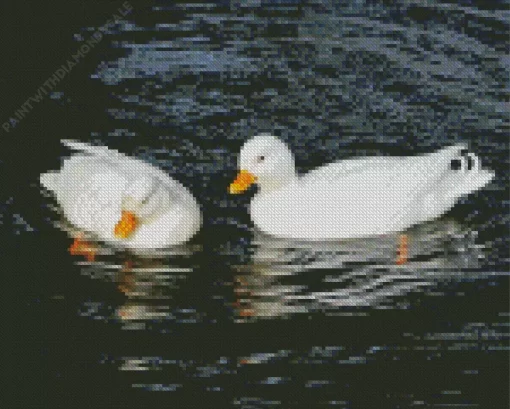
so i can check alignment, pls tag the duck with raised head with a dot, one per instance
(352, 198)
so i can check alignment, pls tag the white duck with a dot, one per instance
(121, 200)
(353, 198)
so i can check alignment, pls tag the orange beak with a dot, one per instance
(126, 225)
(243, 181)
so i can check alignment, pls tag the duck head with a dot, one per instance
(141, 201)
(266, 161)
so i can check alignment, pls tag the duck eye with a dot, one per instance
(261, 158)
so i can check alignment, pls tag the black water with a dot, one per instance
(234, 318)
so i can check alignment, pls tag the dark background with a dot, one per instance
(183, 85)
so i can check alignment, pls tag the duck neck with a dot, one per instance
(274, 184)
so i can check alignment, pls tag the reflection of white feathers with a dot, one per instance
(358, 197)
(148, 281)
(292, 277)
(95, 185)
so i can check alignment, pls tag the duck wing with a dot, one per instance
(129, 166)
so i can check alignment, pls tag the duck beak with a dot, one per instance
(126, 225)
(242, 182)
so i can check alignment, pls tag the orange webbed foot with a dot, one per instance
(403, 250)
(82, 247)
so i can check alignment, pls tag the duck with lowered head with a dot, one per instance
(122, 200)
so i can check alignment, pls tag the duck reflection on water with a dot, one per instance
(291, 277)
(285, 278)
(148, 284)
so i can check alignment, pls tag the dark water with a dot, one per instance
(235, 318)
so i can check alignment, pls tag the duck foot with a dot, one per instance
(403, 250)
(82, 247)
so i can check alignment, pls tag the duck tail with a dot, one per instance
(467, 168)
(84, 147)
(477, 181)
(75, 145)
(49, 181)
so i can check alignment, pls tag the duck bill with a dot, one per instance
(126, 225)
(242, 182)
